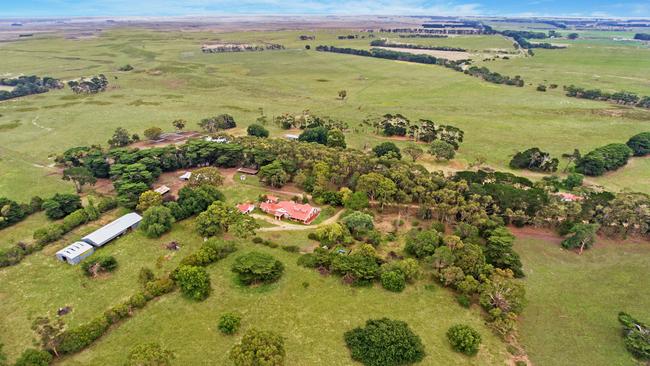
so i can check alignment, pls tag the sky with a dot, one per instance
(76, 8)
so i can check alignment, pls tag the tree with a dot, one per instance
(442, 150)
(316, 134)
(229, 323)
(217, 219)
(49, 332)
(356, 201)
(244, 226)
(257, 130)
(387, 149)
(464, 339)
(149, 354)
(582, 236)
(61, 205)
(573, 36)
(376, 186)
(156, 220)
(179, 124)
(534, 159)
(80, 176)
(640, 144)
(343, 94)
(336, 138)
(149, 199)
(220, 122)
(34, 357)
(394, 281)
(636, 335)
(499, 252)
(207, 175)
(194, 282)
(256, 267)
(422, 244)
(413, 151)
(358, 223)
(384, 342)
(153, 133)
(573, 180)
(273, 174)
(259, 348)
(11, 212)
(120, 138)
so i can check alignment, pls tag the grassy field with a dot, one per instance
(173, 79)
(471, 43)
(573, 301)
(189, 328)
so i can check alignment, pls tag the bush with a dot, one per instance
(442, 150)
(99, 264)
(603, 159)
(257, 130)
(464, 300)
(145, 276)
(387, 149)
(464, 339)
(194, 282)
(534, 159)
(76, 339)
(34, 357)
(259, 348)
(394, 281)
(61, 205)
(149, 354)
(153, 133)
(256, 267)
(640, 144)
(384, 342)
(75, 219)
(156, 221)
(229, 323)
(49, 234)
(291, 248)
(117, 313)
(159, 287)
(106, 204)
(637, 336)
(137, 301)
(211, 251)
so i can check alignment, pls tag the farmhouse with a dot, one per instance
(246, 208)
(569, 197)
(75, 252)
(113, 230)
(291, 210)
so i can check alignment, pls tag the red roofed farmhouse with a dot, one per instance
(291, 210)
(246, 208)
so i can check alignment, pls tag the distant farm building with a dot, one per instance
(246, 208)
(113, 230)
(249, 171)
(291, 137)
(186, 176)
(162, 190)
(569, 197)
(289, 210)
(75, 252)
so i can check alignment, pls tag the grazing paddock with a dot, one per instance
(449, 55)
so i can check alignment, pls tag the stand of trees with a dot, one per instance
(642, 36)
(28, 85)
(521, 37)
(385, 43)
(622, 97)
(94, 85)
(534, 159)
(307, 120)
(603, 159)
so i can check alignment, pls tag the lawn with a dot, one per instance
(173, 79)
(573, 301)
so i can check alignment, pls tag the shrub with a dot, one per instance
(384, 342)
(640, 144)
(637, 336)
(602, 159)
(149, 354)
(156, 221)
(153, 133)
(257, 130)
(211, 251)
(61, 205)
(137, 301)
(256, 267)
(117, 313)
(388, 149)
(442, 150)
(393, 281)
(259, 348)
(106, 204)
(145, 276)
(534, 159)
(357, 268)
(75, 219)
(49, 234)
(229, 323)
(194, 282)
(291, 248)
(422, 244)
(464, 339)
(159, 287)
(34, 357)
(76, 339)
(99, 264)
(464, 300)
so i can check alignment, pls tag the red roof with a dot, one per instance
(295, 211)
(271, 198)
(570, 197)
(245, 207)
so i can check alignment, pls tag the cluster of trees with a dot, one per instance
(423, 130)
(521, 37)
(241, 47)
(28, 85)
(642, 36)
(12, 212)
(122, 138)
(386, 43)
(218, 123)
(640, 144)
(324, 136)
(622, 97)
(603, 159)
(220, 217)
(384, 342)
(423, 36)
(94, 85)
(494, 77)
(534, 159)
(307, 120)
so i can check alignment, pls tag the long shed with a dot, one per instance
(111, 231)
(75, 252)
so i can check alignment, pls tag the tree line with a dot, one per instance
(28, 85)
(521, 39)
(386, 43)
(94, 85)
(642, 36)
(621, 97)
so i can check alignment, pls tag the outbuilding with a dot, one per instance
(75, 252)
(186, 176)
(113, 230)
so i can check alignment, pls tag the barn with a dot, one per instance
(113, 230)
(75, 252)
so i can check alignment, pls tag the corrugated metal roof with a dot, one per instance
(75, 249)
(109, 232)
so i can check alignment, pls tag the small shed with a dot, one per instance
(186, 176)
(250, 171)
(162, 190)
(291, 137)
(75, 252)
(111, 231)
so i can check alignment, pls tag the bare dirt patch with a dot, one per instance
(449, 55)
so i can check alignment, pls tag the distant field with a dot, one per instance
(449, 55)
(573, 301)
(174, 79)
(472, 43)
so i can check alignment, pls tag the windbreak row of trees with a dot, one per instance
(642, 36)
(28, 85)
(385, 43)
(94, 85)
(481, 72)
(622, 97)
(521, 37)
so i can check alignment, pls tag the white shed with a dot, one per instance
(111, 231)
(75, 252)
